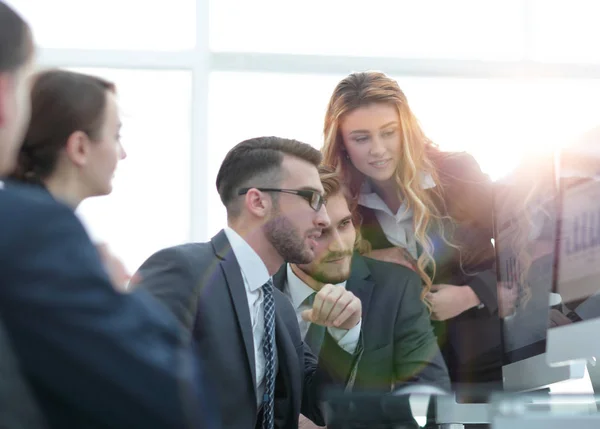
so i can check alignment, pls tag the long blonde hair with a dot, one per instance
(367, 88)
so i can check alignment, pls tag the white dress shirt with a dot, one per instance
(397, 227)
(298, 291)
(255, 275)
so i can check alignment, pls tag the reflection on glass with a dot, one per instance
(525, 223)
(579, 262)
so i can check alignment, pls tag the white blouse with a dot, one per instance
(398, 228)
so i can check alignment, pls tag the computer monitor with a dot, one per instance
(525, 206)
(577, 279)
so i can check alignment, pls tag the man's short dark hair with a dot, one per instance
(16, 43)
(257, 163)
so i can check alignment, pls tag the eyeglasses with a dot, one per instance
(315, 200)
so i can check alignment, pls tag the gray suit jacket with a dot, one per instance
(202, 284)
(397, 336)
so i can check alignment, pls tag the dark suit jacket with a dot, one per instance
(203, 285)
(92, 357)
(398, 341)
(471, 341)
(18, 406)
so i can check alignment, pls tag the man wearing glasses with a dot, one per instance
(223, 294)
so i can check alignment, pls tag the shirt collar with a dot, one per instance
(254, 270)
(297, 290)
(368, 198)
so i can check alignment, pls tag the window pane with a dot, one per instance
(497, 121)
(111, 24)
(245, 105)
(491, 29)
(149, 208)
(566, 30)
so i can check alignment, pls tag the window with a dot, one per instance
(149, 208)
(566, 30)
(501, 121)
(497, 121)
(472, 29)
(246, 105)
(111, 24)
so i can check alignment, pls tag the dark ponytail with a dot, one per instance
(62, 102)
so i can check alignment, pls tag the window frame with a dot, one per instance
(201, 61)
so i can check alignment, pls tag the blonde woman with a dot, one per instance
(423, 208)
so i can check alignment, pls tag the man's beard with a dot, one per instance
(287, 241)
(325, 276)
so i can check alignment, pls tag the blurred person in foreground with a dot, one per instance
(75, 353)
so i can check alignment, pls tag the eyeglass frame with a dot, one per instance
(306, 194)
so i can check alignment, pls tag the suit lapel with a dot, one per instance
(285, 347)
(360, 283)
(237, 291)
(288, 360)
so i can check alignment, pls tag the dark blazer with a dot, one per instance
(203, 285)
(397, 337)
(91, 356)
(471, 341)
(18, 406)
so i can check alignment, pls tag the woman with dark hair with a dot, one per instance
(72, 146)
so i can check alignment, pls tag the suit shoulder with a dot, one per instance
(397, 284)
(390, 275)
(188, 248)
(28, 209)
(18, 197)
(384, 269)
(194, 258)
(193, 253)
(454, 158)
(461, 166)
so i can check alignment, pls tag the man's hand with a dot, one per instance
(336, 307)
(449, 301)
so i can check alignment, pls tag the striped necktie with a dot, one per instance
(269, 351)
